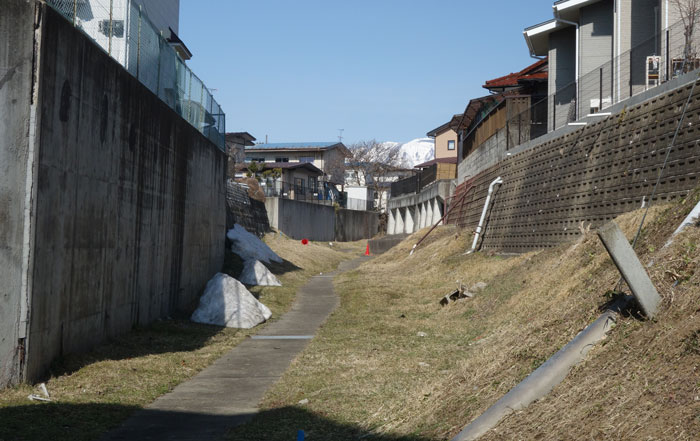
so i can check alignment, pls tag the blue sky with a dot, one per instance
(387, 70)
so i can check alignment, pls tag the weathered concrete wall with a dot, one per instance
(130, 203)
(384, 244)
(16, 47)
(301, 220)
(352, 225)
(487, 154)
(305, 220)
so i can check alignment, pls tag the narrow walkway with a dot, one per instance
(227, 393)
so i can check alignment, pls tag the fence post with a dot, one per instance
(600, 92)
(75, 10)
(668, 56)
(189, 99)
(138, 48)
(111, 31)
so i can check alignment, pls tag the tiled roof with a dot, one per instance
(536, 71)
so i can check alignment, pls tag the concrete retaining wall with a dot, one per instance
(16, 46)
(352, 225)
(129, 204)
(305, 220)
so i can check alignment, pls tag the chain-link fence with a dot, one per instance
(122, 29)
(650, 62)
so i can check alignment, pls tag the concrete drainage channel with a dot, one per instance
(553, 371)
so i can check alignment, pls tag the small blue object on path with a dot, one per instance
(300, 435)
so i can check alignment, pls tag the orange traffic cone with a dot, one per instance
(367, 251)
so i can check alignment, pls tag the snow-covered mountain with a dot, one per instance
(416, 151)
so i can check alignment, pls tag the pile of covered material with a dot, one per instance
(254, 252)
(226, 301)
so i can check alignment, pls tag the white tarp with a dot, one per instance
(250, 247)
(255, 273)
(227, 302)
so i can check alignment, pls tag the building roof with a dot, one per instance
(476, 107)
(299, 146)
(443, 128)
(537, 36)
(534, 72)
(179, 45)
(285, 166)
(244, 138)
(451, 160)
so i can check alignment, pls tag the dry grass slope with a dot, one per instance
(369, 373)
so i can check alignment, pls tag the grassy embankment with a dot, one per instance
(392, 364)
(96, 391)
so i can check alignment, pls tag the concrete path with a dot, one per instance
(227, 393)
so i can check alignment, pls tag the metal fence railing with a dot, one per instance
(317, 193)
(650, 62)
(415, 183)
(127, 35)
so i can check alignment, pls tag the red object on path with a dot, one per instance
(304, 241)
(367, 251)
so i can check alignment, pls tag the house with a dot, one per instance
(326, 156)
(445, 138)
(601, 52)
(514, 113)
(372, 184)
(289, 180)
(236, 142)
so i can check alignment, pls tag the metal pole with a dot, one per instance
(554, 111)
(668, 57)
(111, 21)
(75, 10)
(600, 102)
(138, 47)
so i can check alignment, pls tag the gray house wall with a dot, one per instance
(128, 205)
(596, 27)
(562, 74)
(16, 45)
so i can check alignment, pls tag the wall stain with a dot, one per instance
(64, 108)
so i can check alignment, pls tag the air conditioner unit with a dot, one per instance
(653, 71)
(595, 104)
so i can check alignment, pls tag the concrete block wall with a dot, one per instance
(588, 175)
(129, 202)
(243, 210)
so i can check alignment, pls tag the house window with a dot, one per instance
(450, 145)
(299, 186)
(281, 159)
(254, 159)
(306, 159)
(313, 184)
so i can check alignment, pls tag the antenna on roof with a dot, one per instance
(340, 135)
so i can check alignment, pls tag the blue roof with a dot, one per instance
(294, 145)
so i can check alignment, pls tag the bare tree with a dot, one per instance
(689, 10)
(373, 164)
